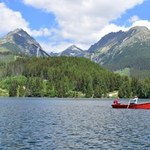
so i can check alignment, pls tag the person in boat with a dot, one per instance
(135, 100)
(116, 101)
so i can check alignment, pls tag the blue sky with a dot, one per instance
(57, 24)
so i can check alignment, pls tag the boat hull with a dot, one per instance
(132, 106)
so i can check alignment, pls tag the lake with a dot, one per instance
(71, 124)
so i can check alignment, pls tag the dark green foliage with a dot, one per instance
(135, 86)
(125, 88)
(13, 88)
(98, 92)
(15, 85)
(60, 77)
(137, 58)
(145, 88)
(89, 87)
(67, 77)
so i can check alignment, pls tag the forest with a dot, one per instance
(66, 77)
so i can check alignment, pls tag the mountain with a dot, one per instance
(125, 50)
(72, 51)
(54, 54)
(58, 77)
(122, 50)
(19, 42)
(120, 45)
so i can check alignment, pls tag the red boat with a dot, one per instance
(132, 106)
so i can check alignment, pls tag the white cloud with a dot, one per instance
(145, 23)
(56, 44)
(83, 21)
(134, 19)
(80, 22)
(112, 28)
(10, 20)
(53, 47)
(42, 32)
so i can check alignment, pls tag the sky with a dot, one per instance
(58, 24)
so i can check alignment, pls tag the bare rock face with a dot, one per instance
(20, 42)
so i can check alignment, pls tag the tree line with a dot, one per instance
(67, 77)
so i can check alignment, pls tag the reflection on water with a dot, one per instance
(49, 124)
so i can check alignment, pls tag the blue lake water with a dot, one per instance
(69, 124)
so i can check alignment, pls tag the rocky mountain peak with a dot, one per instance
(73, 48)
(139, 29)
(138, 34)
(108, 38)
(16, 31)
(20, 34)
(19, 41)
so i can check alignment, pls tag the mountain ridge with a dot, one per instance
(20, 42)
(114, 51)
(123, 49)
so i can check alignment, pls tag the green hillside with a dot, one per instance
(58, 77)
(9, 52)
(66, 77)
(136, 58)
(11, 47)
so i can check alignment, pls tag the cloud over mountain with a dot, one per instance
(83, 20)
(10, 20)
(80, 22)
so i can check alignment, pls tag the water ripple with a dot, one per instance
(35, 124)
